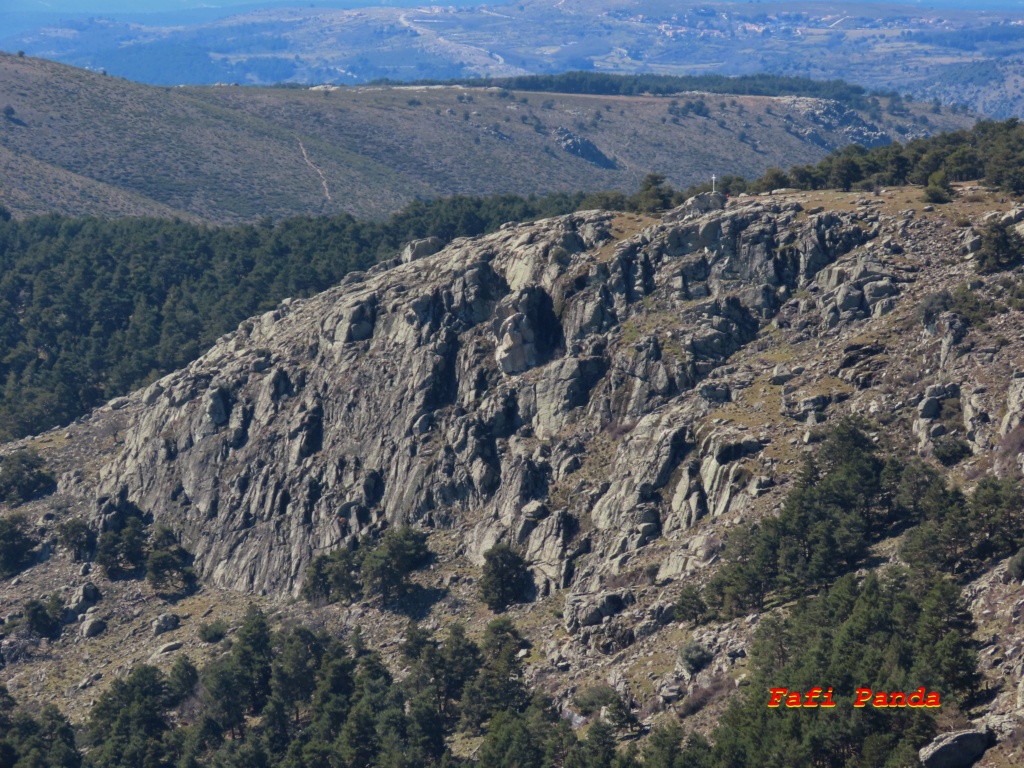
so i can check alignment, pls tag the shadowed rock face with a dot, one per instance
(582, 147)
(467, 388)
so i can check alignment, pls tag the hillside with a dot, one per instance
(80, 143)
(615, 396)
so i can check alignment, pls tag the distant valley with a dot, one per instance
(971, 57)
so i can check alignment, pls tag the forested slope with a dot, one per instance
(91, 308)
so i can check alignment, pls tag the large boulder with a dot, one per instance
(960, 749)
(84, 598)
(589, 610)
(420, 249)
(165, 622)
(93, 627)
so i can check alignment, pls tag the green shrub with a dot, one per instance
(505, 580)
(695, 656)
(45, 619)
(1015, 568)
(593, 698)
(168, 564)
(122, 550)
(1001, 249)
(950, 449)
(938, 195)
(213, 632)
(15, 545)
(939, 189)
(965, 302)
(933, 305)
(651, 572)
(22, 477)
(76, 535)
(690, 606)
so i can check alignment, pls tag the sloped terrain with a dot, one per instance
(610, 394)
(80, 143)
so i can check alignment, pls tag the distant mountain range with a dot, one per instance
(78, 142)
(973, 56)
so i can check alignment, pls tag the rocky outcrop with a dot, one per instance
(418, 249)
(832, 118)
(165, 622)
(1014, 405)
(83, 598)
(590, 610)
(612, 401)
(581, 147)
(928, 424)
(960, 749)
(92, 627)
(473, 385)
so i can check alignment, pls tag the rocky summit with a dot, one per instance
(610, 394)
(470, 388)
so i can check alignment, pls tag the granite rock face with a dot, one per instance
(960, 749)
(473, 387)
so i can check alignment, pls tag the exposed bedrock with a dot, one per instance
(540, 386)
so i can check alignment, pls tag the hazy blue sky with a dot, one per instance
(159, 6)
(107, 6)
(89, 7)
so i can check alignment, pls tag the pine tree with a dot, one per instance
(498, 686)
(334, 690)
(510, 744)
(293, 676)
(181, 680)
(128, 722)
(415, 641)
(505, 578)
(599, 746)
(358, 743)
(385, 567)
(225, 696)
(251, 656)
(620, 716)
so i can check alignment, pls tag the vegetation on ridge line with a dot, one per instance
(992, 151)
(608, 84)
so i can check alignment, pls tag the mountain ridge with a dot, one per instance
(239, 154)
(697, 355)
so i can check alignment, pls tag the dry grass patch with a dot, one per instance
(623, 227)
